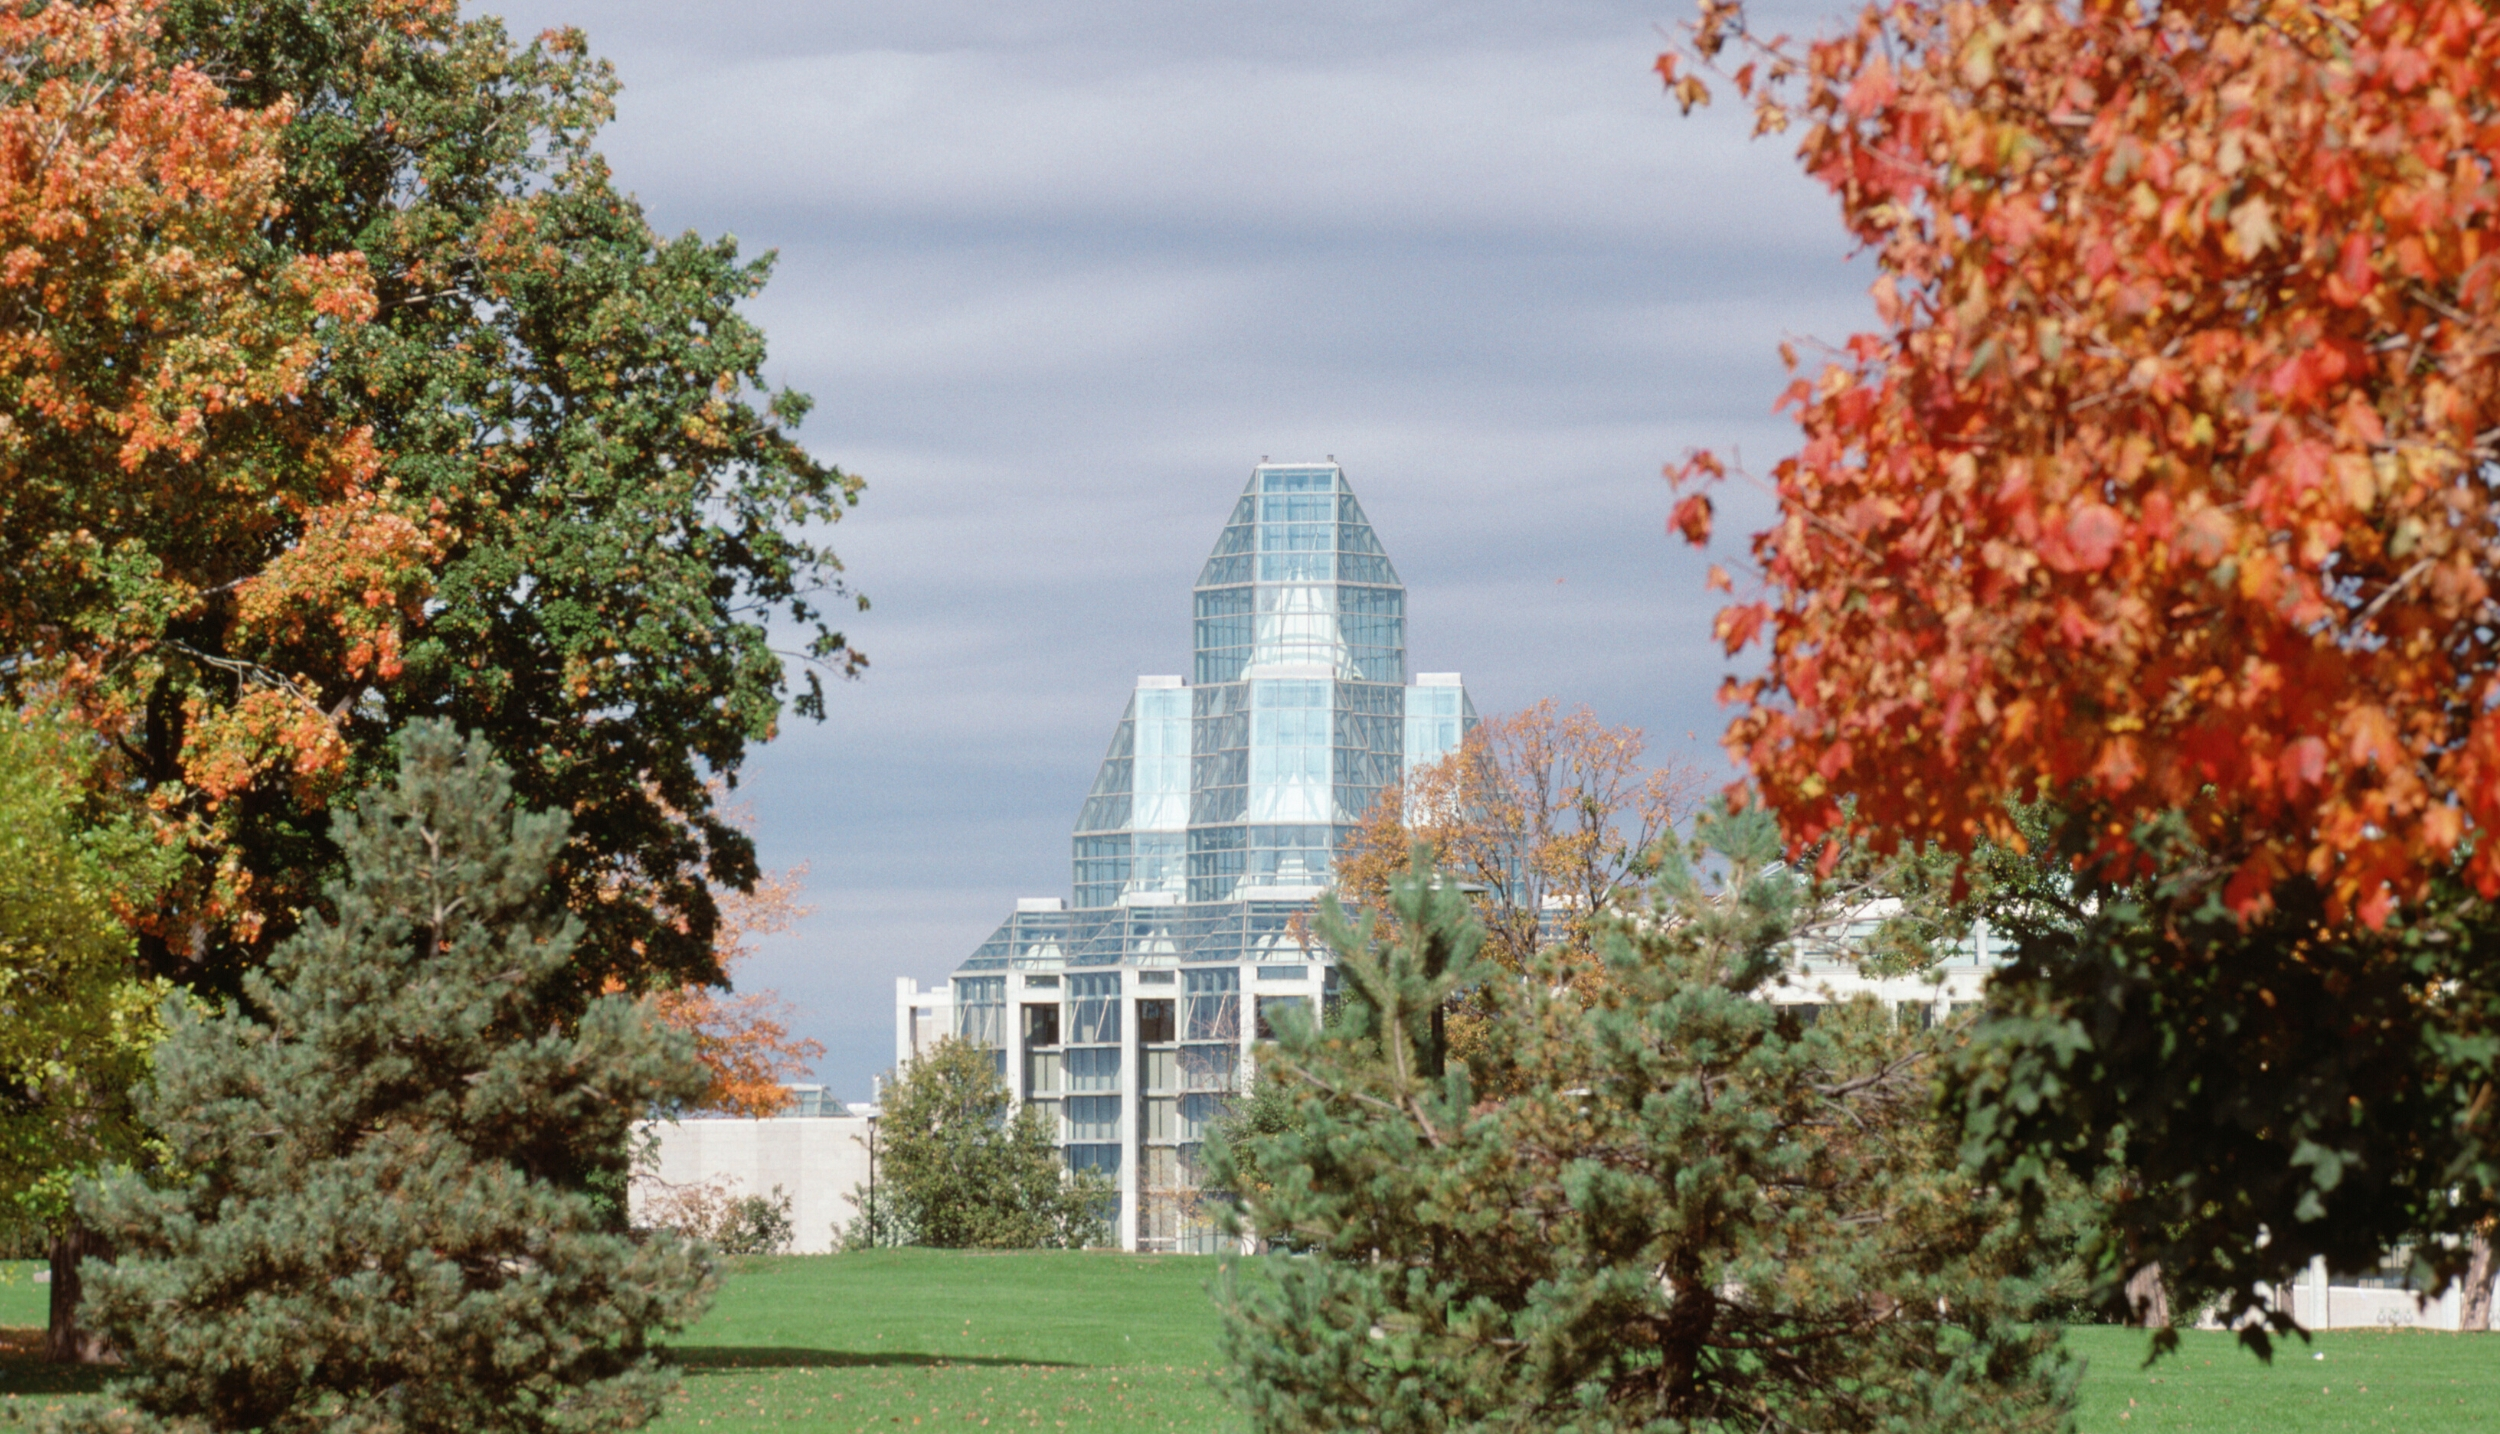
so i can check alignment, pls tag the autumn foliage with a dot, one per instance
(340, 386)
(1549, 817)
(745, 1040)
(183, 528)
(2165, 484)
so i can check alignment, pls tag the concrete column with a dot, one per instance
(1132, 1098)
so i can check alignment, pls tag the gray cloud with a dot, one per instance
(1058, 274)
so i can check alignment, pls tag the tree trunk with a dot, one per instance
(2476, 1309)
(2148, 1301)
(65, 1342)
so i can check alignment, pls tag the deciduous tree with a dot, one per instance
(407, 412)
(77, 1020)
(2161, 497)
(744, 1040)
(184, 535)
(2165, 483)
(1548, 818)
(965, 1167)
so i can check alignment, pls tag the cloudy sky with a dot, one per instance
(1058, 273)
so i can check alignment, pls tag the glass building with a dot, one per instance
(1213, 823)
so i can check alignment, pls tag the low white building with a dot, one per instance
(818, 1160)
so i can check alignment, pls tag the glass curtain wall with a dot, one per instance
(1299, 703)
(1092, 1103)
(1045, 1064)
(1159, 807)
(981, 1015)
(1210, 1074)
(1164, 1198)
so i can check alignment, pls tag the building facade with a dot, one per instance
(1129, 1009)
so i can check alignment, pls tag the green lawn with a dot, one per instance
(911, 1338)
(2402, 1380)
(1028, 1340)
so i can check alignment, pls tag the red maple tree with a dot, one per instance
(2166, 484)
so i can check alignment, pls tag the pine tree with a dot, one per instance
(1687, 1210)
(371, 1229)
(967, 1169)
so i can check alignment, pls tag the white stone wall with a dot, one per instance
(816, 1162)
(2318, 1304)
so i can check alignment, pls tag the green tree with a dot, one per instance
(77, 1020)
(966, 1168)
(574, 507)
(1691, 1212)
(2262, 1091)
(368, 1226)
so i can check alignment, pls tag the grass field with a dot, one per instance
(915, 1338)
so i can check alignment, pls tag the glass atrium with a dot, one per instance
(1214, 821)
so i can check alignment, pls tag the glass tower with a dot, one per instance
(1244, 782)
(1212, 825)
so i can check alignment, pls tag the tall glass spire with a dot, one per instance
(1244, 783)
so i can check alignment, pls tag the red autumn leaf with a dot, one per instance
(1692, 518)
(2153, 490)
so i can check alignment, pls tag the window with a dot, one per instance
(1210, 1068)
(1211, 1001)
(1044, 1074)
(981, 1009)
(1094, 1009)
(1093, 1117)
(1102, 1158)
(1154, 1022)
(1094, 1068)
(1041, 1023)
(1199, 1113)
(1297, 480)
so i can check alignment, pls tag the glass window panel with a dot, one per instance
(1102, 869)
(1298, 508)
(1161, 1118)
(1161, 763)
(1041, 1023)
(1210, 1068)
(1199, 1114)
(981, 1009)
(1300, 567)
(1092, 1117)
(1093, 1068)
(1297, 623)
(1094, 1009)
(1103, 1159)
(1297, 480)
(1351, 567)
(1213, 1016)
(1291, 752)
(1045, 1074)
(1154, 1023)
(1297, 537)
